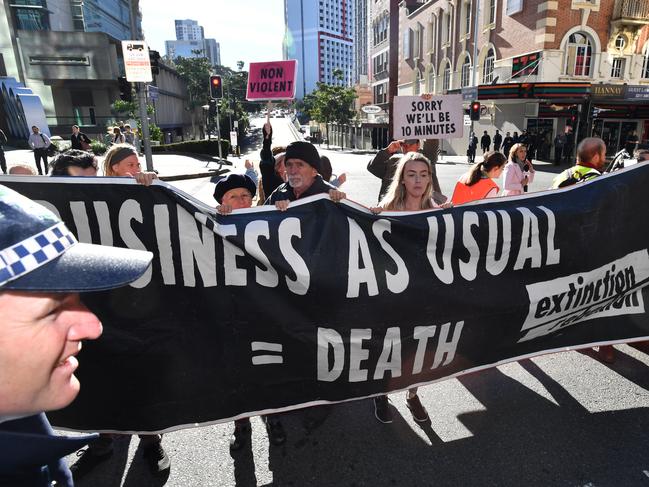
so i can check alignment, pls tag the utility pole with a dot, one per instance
(393, 63)
(139, 88)
(475, 53)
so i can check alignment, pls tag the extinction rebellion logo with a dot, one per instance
(611, 290)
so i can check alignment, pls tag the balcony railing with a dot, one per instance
(632, 10)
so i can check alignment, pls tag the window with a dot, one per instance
(30, 15)
(467, 19)
(466, 73)
(514, 6)
(620, 42)
(488, 67)
(617, 68)
(446, 82)
(447, 37)
(492, 12)
(417, 84)
(407, 44)
(380, 94)
(579, 54)
(645, 63)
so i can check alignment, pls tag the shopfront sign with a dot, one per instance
(637, 92)
(607, 91)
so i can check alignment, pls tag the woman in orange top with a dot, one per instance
(478, 182)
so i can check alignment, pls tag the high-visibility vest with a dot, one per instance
(477, 191)
(574, 175)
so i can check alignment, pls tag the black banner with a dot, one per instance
(264, 311)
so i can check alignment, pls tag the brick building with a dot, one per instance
(541, 65)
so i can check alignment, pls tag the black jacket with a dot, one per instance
(285, 191)
(76, 140)
(32, 455)
(383, 166)
(269, 178)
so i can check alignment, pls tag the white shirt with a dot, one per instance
(38, 142)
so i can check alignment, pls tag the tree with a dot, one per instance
(196, 73)
(331, 103)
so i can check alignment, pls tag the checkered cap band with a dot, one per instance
(33, 252)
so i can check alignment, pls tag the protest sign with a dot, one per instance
(262, 311)
(428, 117)
(273, 80)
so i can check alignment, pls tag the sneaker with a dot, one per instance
(240, 435)
(275, 430)
(417, 409)
(157, 457)
(382, 409)
(88, 460)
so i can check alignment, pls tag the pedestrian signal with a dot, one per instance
(475, 110)
(216, 87)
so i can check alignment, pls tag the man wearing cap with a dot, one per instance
(303, 179)
(385, 162)
(42, 325)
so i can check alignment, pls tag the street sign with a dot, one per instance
(236, 124)
(428, 117)
(153, 91)
(371, 109)
(233, 139)
(273, 80)
(467, 120)
(136, 61)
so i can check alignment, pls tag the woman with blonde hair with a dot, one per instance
(121, 160)
(478, 182)
(411, 189)
(519, 171)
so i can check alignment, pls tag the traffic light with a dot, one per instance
(572, 119)
(475, 110)
(216, 87)
(154, 58)
(125, 90)
(212, 110)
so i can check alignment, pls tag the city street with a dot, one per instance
(560, 419)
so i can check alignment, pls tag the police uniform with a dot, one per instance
(574, 175)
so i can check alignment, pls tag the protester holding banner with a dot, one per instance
(478, 183)
(42, 325)
(236, 192)
(519, 172)
(302, 172)
(122, 160)
(411, 190)
(384, 164)
(74, 162)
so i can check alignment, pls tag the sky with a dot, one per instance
(247, 30)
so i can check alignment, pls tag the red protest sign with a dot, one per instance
(274, 80)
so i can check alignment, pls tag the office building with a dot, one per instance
(191, 42)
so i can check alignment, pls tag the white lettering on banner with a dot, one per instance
(163, 239)
(129, 211)
(610, 290)
(428, 117)
(531, 246)
(196, 250)
(288, 229)
(332, 365)
(268, 276)
(397, 282)
(356, 275)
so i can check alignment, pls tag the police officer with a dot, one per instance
(42, 325)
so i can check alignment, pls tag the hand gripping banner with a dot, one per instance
(262, 311)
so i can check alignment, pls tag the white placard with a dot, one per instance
(233, 138)
(428, 117)
(467, 120)
(136, 61)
